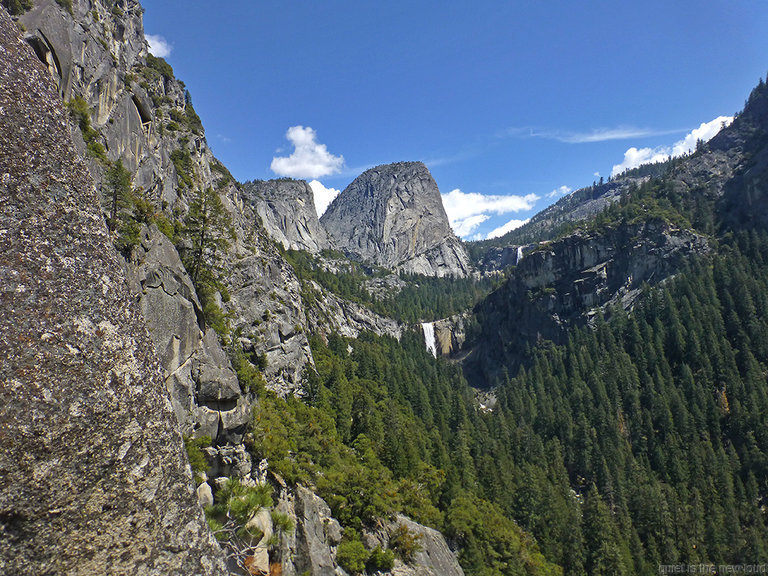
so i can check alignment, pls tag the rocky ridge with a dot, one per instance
(95, 478)
(393, 216)
(566, 282)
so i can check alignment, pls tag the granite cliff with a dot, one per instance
(134, 110)
(287, 211)
(393, 216)
(566, 282)
(95, 478)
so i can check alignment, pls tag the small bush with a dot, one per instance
(160, 65)
(250, 378)
(197, 459)
(352, 556)
(405, 543)
(182, 162)
(380, 560)
(80, 113)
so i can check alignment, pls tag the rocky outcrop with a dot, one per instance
(581, 205)
(327, 313)
(393, 216)
(433, 557)
(95, 479)
(566, 282)
(451, 333)
(311, 548)
(287, 211)
(204, 389)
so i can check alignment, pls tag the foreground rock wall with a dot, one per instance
(94, 475)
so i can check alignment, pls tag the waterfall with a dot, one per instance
(429, 337)
(519, 255)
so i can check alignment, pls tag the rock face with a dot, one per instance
(329, 314)
(95, 479)
(565, 282)
(393, 216)
(451, 333)
(204, 389)
(287, 211)
(434, 558)
(143, 116)
(310, 549)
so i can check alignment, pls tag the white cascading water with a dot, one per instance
(519, 254)
(429, 337)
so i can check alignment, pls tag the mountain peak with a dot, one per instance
(392, 215)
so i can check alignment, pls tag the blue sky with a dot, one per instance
(510, 104)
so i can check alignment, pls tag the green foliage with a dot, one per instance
(160, 65)
(380, 560)
(209, 230)
(226, 176)
(250, 377)
(657, 419)
(182, 162)
(377, 437)
(187, 118)
(171, 228)
(127, 208)
(352, 556)
(491, 542)
(423, 298)
(405, 543)
(17, 7)
(80, 113)
(197, 459)
(281, 522)
(236, 504)
(119, 187)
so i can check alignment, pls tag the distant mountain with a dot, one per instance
(393, 216)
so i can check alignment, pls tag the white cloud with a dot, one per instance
(309, 158)
(635, 157)
(464, 227)
(705, 132)
(562, 191)
(158, 46)
(508, 227)
(600, 134)
(323, 196)
(466, 211)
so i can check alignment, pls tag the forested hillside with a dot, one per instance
(636, 440)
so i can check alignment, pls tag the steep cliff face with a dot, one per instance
(287, 211)
(393, 216)
(95, 479)
(564, 283)
(143, 116)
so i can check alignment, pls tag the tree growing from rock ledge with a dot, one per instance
(209, 229)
